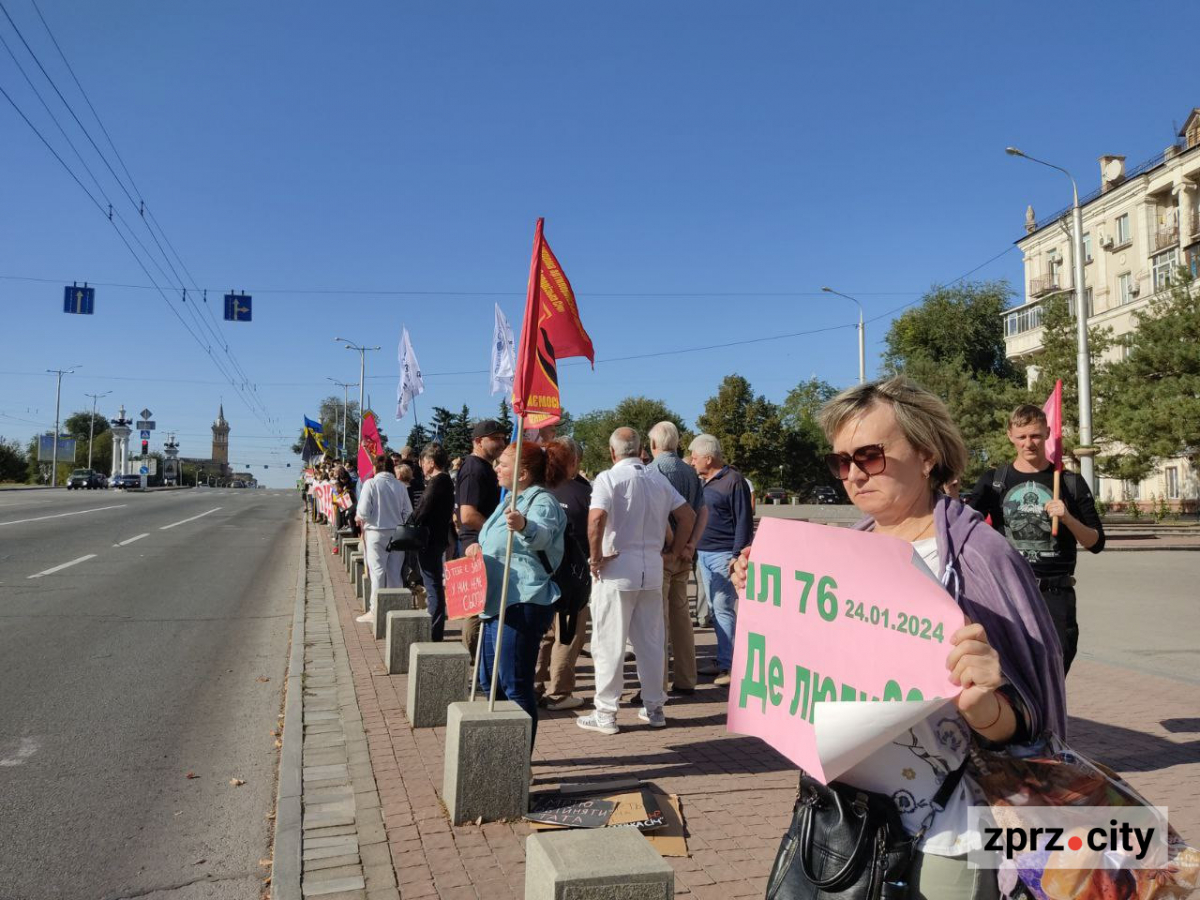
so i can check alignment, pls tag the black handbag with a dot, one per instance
(408, 537)
(848, 844)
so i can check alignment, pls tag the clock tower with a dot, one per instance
(220, 445)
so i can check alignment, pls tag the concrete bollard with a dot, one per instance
(595, 864)
(487, 762)
(387, 600)
(405, 627)
(350, 546)
(438, 675)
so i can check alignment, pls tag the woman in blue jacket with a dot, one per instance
(537, 524)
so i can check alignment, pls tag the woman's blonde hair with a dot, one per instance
(923, 418)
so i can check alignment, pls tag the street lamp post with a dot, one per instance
(862, 335)
(57, 409)
(1083, 359)
(345, 386)
(92, 423)
(362, 368)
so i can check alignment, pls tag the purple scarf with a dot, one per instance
(995, 587)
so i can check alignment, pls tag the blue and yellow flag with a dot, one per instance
(313, 440)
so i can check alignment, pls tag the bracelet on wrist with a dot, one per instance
(999, 713)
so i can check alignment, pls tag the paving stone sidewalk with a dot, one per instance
(344, 846)
(736, 792)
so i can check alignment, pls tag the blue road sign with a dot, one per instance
(145, 435)
(79, 300)
(144, 470)
(237, 308)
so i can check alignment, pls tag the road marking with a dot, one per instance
(132, 539)
(61, 515)
(27, 748)
(65, 565)
(192, 519)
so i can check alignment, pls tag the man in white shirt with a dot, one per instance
(627, 530)
(383, 505)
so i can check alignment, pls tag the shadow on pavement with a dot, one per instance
(1127, 750)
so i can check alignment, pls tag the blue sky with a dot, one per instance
(694, 161)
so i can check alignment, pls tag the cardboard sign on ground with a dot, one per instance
(661, 823)
(570, 812)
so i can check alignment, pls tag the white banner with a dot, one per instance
(411, 382)
(504, 355)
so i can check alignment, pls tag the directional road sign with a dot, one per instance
(79, 300)
(145, 425)
(237, 308)
(144, 470)
(145, 435)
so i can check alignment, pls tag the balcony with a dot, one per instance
(1164, 238)
(1046, 284)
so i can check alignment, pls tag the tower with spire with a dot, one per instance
(220, 445)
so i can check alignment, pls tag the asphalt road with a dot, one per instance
(142, 637)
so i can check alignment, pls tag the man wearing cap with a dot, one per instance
(477, 494)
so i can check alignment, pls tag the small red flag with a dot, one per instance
(551, 331)
(370, 447)
(1053, 411)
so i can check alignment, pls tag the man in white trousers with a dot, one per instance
(627, 534)
(383, 505)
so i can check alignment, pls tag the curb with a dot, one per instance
(285, 861)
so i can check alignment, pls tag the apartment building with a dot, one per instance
(1139, 227)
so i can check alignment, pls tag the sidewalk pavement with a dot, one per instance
(736, 792)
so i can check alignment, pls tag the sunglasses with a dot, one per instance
(870, 459)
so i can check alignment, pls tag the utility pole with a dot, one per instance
(362, 369)
(92, 423)
(57, 409)
(862, 335)
(345, 386)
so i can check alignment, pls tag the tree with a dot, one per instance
(418, 437)
(1151, 400)
(12, 461)
(443, 424)
(805, 466)
(458, 441)
(505, 418)
(593, 429)
(329, 414)
(751, 432)
(961, 322)
(77, 424)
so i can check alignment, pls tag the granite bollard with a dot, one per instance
(595, 864)
(487, 762)
(405, 627)
(438, 675)
(349, 545)
(386, 601)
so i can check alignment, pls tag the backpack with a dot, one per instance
(574, 579)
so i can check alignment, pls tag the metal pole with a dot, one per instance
(54, 456)
(507, 567)
(345, 405)
(362, 369)
(92, 424)
(862, 348)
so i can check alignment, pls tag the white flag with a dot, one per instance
(504, 355)
(411, 382)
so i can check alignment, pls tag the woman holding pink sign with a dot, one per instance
(896, 449)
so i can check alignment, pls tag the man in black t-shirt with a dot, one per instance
(1020, 499)
(477, 494)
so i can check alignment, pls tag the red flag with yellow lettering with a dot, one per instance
(370, 447)
(551, 331)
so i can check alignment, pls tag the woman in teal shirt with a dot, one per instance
(538, 524)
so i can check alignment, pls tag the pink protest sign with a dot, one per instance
(466, 588)
(831, 615)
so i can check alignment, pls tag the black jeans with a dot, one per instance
(432, 566)
(1061, 603)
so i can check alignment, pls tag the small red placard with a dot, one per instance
(466, 588)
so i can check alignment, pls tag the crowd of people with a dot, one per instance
(655, 519)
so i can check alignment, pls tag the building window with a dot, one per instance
(1087, 248)
(1194, 262)
(1133, 490)
(1172, 483)
(1023, 320)
(1163, 268)
(1124, 234)
(1125, 287)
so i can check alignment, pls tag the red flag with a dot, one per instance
(551, 331)
(1053, 411)
(370, 447)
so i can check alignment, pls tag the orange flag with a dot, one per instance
(551, 331)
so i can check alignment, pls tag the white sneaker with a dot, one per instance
(654, 718)
(595, 722)
(366, 618)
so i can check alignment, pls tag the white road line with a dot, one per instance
(131, 540)
(65, 565)
(192, 519)
(61, 515)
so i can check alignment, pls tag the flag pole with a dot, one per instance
(1057, 486)
(507, 566)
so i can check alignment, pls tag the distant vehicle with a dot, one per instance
(126, 481)
(776, 495)
(824, 494)
(238, 484)
(85, 478)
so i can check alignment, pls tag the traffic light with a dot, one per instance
(145, 448)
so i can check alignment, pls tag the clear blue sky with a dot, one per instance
(674, 148)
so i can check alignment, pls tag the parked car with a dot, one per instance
(126, 481)
(85, 478)
(776, 495)
(824, 494)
